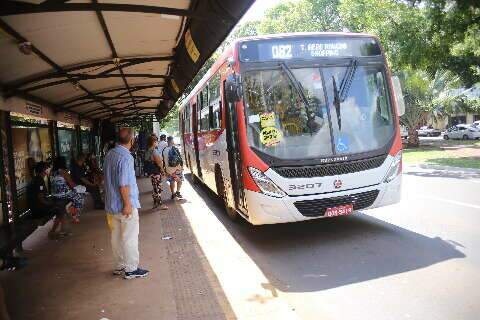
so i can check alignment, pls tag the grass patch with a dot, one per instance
(466, 155)
(421, 155)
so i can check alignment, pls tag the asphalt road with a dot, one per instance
(415, 260)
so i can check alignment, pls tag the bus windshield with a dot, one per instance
(307, 113)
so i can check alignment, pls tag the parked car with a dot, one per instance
(428, 131)
(462, 131)
(474, 132)
(476, 124)
(403, 132)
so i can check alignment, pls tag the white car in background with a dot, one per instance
(462, 131)
(428, 131)
(403, 132)
(474, 132)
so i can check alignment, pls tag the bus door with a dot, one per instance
(195, 140)
(233, 151)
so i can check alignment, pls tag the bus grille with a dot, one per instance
(330, 169)
(317, 207)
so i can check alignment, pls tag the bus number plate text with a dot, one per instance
(339, 211)
(282, 51)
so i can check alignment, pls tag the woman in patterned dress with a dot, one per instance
(154, 163)
(63, 187)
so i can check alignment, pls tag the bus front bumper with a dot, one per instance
(263, 209)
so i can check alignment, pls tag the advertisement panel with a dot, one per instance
(68, 144)
(85, 136)
(30, 145)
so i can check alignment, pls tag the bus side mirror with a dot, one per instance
(398, 94)
(233, 88)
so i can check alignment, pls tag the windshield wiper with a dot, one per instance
(301, 93)
(336, 103)
(347, 79)
(340, 95)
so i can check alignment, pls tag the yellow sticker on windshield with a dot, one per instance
(267, 120)
(270, 136)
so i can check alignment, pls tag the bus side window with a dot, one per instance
(215, 102)
(205, 124)
(211, 120)
(205, 96)
(186, 119)
(382, 107)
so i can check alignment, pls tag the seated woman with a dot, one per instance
(94, 173)
(41, 205)
(78, 172)
(63, 187)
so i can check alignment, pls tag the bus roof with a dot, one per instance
(305, 34)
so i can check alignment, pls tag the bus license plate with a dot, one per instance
(342, 210)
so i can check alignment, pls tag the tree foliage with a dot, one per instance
(428, 96)
(427, 35)
(302, 16)
(400, 27)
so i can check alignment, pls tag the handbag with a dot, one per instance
(149, 166)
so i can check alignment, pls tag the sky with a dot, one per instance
(257, 10)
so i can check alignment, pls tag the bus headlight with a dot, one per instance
(265, 184)
(395, 168)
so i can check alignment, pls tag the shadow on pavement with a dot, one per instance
(471, 162)
(328, 253)
(432, 173)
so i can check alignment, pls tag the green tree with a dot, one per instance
(400, 27)
(170, 122)
(302, 16)
(426, 96)
(428, 35)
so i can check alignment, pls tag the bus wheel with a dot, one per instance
(222, 194)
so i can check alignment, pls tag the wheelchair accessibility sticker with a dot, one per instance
(342, 144)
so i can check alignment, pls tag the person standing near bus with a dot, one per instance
(122, 204)
(174, 168)
(155, 169)
(162, 144)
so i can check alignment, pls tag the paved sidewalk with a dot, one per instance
(71, 279)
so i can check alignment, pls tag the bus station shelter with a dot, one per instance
(71, 71)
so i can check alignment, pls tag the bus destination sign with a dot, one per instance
(307, 48)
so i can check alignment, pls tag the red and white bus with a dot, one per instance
(297, 126)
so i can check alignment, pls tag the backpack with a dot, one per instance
(174, 157)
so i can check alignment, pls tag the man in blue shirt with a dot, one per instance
(121, 205)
